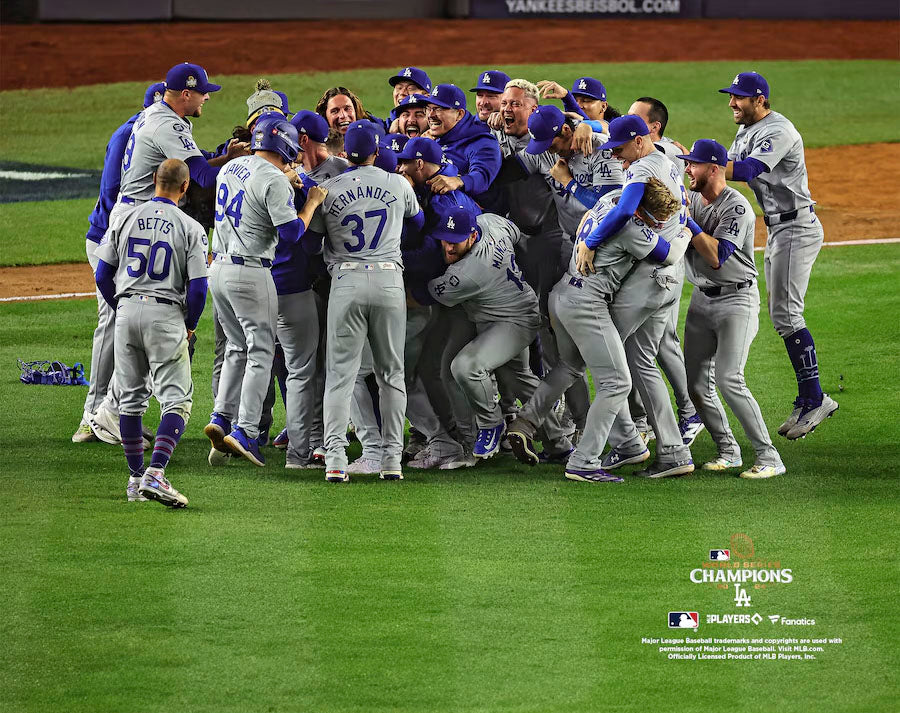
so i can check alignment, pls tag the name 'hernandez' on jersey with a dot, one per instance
(252, 199)
(487, 281)
(156, 248)
(362, 216)
(729, 217)
(613, 258)
(159, 133)
(775, 142)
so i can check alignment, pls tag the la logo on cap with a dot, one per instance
(394, 145)
(450, 224)
(486, 79)
(434, 92)
(191, 81)
(582, 84)
(737, 78)
(407, 72)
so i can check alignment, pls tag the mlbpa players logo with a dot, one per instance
(719, 555)
(684, 619)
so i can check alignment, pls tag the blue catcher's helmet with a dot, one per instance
(277, 135)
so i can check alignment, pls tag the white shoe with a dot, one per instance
(155, 486)
(336, 476)
(793, 418)
(217, 458)
(319, 455)
(364, 466)
(721, 463)
(811, 417)
(105, 426)
(427, 460)
(84, 434)
(132, 491)
(758, 472)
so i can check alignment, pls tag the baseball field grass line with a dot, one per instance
(499, 588)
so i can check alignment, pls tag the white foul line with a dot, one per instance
(69, 295)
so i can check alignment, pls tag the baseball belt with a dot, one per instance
(147, 298)
(243, 260)
(785, 217)
(725, 289)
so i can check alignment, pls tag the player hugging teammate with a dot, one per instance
(468, 269)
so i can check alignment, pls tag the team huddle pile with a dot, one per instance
(467, 268)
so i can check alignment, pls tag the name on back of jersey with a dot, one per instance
(349, 196)
(239, 171)
(160, 225)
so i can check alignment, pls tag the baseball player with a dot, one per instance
(162, 131)
(629, 140)
(723, 317)
(488, 90)
(318, 165)
(254, 209)
(587, 335)
(483, 277)
(151, 268)
(340, 107)
(362, 218)
(409, 81)
(767, 153)
(102, 352)
(587, 98)
(411, 118)
(670, 357)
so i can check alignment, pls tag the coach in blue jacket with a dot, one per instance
(466, 142)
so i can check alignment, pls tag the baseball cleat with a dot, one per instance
(614, 459)
(758, 472)
(83, 433)
(391, 474)
(560, 458)
(216, 430)
(667, 470)
(241, 444)
(593, 475)
(523, 447)
(131, 490)
(416, 445)
(319, 455)
(281, 441)
(799, 404)
(105, 426)
(308, 463)
(811, 416)
(690, 428)
(217, 457)
(426, 460)
(721, 463)
(336, 476)
(155, 487)
(647, 435)
(487, 443)
(364, 466)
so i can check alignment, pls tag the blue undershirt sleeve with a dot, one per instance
(569, 104)
(693, 227)
(615, 220)
(589, 195)
(196, 301)
(105, 278)
(726, 247)
(201, 172)
(417, 222)
(291, 232)
(660, 251)
(748, 169)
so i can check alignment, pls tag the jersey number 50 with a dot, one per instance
(148, 261)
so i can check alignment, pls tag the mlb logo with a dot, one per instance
(684, 619)
(719, 555)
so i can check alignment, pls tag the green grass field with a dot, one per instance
(496, 589)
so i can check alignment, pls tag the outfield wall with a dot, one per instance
(161, 10)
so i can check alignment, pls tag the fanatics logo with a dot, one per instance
(450, 224)
(191, 81)
(486, 79)
(684, 619)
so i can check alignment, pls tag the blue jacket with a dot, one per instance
(110, 180)
(293, 269)
(474, 150)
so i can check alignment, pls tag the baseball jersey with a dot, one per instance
(159, 133)
(657, 165)
(672, 152)
(528, 201)
(598, 169)
(487, 281)
(252, 199)
(613, 258)
(362, 217)
(774, 141)
(329, 168)
(156, 248)
(729, 217)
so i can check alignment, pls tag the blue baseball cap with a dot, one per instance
(154, 93)
(411, 100)
(189, 76)
(360, 141)
(428, 150)
(493, 80)
(284, 102)
(311, 124)
(386, 160)
(377, 127)
(707, 151)
(414, 75)
(748, 84)
(394, 142)
(623, 129)
(544, 125)
(589, 87)
(455, 226)
(448, 96)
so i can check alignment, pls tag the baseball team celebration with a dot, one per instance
(449, 374)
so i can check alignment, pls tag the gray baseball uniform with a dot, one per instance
(252, 198)
(721, 322)
(362, 218)
(156, 249)
(489, 286)
(329, 168)
(794, 241)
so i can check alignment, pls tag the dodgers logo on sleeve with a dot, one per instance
(766, 146)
